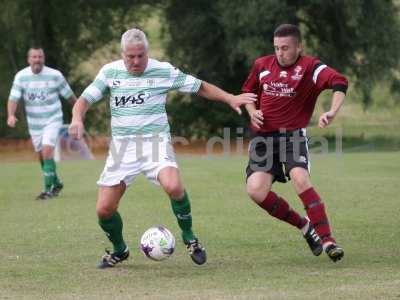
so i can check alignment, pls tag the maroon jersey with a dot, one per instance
(287, 95)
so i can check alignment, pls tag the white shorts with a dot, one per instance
(131, 156)
(48, 137)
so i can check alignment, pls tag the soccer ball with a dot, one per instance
(157, 243)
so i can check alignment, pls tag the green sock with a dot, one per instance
(113, 229)
(49, 173)
(182, 211)
(57, 181)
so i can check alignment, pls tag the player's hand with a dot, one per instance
(11, 120)
(256, 118)
(76, 129)
(325, 119)
(242, 99)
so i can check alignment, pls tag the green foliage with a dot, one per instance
(216, 41)
(69, 31)
(219, 40)
(361, 37)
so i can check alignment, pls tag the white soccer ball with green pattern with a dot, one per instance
(157, 243)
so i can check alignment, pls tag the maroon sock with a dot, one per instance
(277, 207)
(315, 209)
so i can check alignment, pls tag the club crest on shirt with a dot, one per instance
(151, 83)
(297, 75)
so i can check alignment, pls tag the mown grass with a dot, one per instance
(49, 249)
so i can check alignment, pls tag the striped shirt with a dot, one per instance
(137, 102)
(41, 94)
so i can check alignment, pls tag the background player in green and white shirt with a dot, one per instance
(40, 87)
(141, 144)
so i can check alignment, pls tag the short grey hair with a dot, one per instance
(34, 48)
(134, 36)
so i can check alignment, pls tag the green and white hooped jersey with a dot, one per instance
(137, 102)
(41, 93)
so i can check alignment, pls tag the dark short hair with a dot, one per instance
(285, 30)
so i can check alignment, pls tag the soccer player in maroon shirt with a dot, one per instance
(288, 84)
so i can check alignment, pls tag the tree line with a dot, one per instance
(214, 40)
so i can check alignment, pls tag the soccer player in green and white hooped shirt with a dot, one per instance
(40, 87)
(141, 142)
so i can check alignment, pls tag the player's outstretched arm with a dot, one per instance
(76, 128)
(327, 117)
(212, 92)
(11, 109)
(72, 100)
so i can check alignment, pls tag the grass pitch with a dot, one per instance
(49, 249)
